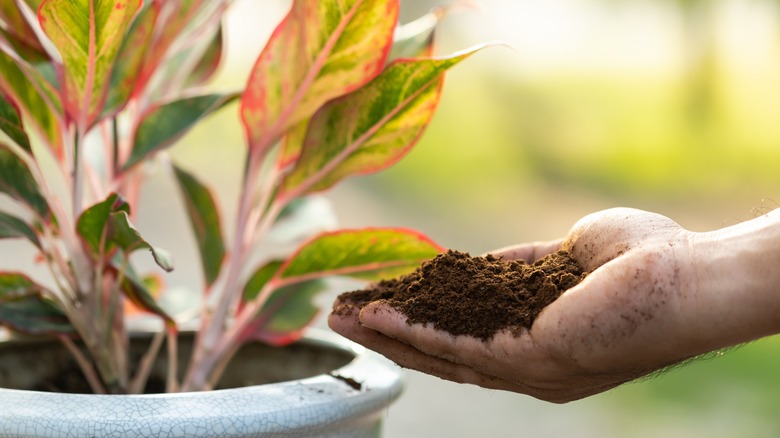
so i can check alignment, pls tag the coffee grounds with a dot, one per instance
(475, 296)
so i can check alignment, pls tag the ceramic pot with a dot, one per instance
(323, 386)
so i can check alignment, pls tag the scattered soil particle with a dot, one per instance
(476, 296)
(354, 384)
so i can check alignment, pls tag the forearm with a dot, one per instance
(738, 281)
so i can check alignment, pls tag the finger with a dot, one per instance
(346, 324)
(409, 357)
(529, 252)
(496, 357)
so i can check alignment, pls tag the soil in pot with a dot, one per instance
(50, 367)
(475, 296)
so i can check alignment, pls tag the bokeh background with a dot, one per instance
(671, 106)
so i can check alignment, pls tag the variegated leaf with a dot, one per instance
(88, 35)
(372, 128)
(321, 50)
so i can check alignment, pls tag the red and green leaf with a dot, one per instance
(14, 285)
(372, 253)
(35, 96)
(259, 279)
(88, 35)
(33, 4)
(204, 219)
(412, 40)
(372, 128)
(321, 50)
(13, 227)
(17, 181)
(11, 123)
(286, 313)
(137, 291)
(209, 60)
(161, 126)
(291, 146)
(25, 307)
(178, 14)
(130, 59)
(19, 34)
(290, 286)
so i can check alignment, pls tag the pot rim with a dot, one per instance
(256, 409)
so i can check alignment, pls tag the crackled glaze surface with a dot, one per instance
(321, 406)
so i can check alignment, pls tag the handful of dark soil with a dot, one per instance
(476, 296)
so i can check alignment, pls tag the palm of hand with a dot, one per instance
(621, 322)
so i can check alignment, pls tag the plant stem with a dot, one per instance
(209, 347)
(114, 148)
(171, 384)
(145, 365)
(85, 365)
(77, 176)
(213, 322)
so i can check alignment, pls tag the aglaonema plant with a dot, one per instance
(99, 88)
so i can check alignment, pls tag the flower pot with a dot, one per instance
(323, 386)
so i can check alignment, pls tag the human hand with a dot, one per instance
(638, 310)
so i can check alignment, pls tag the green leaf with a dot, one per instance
(321, 50)
(14, 285)
(11, 123)
(161, 126)
(13, 227)
(371, 253)
(415, 39)
(209, 61)
(20, 35)
(35, 315)
(372, 128)
(35, 96)
(135, 289)
(260, 278)
(286, 312)
(88, 35)
(23, 307)
(291, 309)
(92, 225)
(122, 233)
(17, 181)
(130, 59)
(204, 219)
(106, 226)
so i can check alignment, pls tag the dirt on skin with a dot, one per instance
(475, 296)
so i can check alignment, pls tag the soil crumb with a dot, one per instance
(476, 296)
(354, 384)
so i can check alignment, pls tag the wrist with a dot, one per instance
(737, 290)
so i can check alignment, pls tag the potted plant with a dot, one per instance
(91, 92)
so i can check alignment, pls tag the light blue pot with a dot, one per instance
(323, 405)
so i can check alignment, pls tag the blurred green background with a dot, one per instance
(669, 106)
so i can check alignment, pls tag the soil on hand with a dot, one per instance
(476, 296)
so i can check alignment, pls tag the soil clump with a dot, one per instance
(475, 296)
